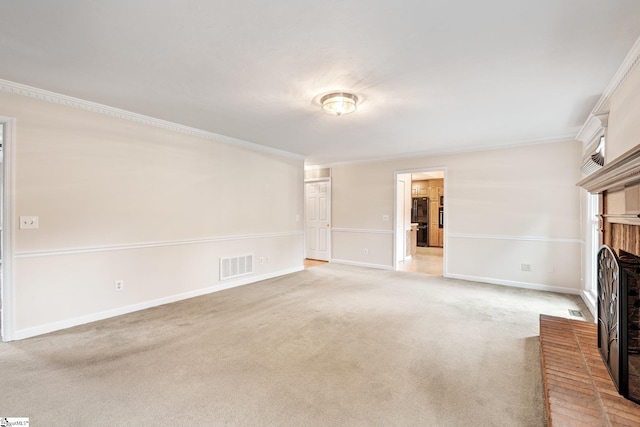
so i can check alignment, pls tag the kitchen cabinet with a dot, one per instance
(434, 231)
(420, 188)
(434, 190)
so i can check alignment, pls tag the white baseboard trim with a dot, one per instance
(590, 301)
(68, 323)
(362, 264)
(515, 284)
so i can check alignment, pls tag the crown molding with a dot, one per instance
(590, 130)
(593, 128)
(69, 101)
(447, 152)
(603, 118)
(630, 61)
(602, 106)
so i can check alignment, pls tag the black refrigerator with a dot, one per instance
(420, 215)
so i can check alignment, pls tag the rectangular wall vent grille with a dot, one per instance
(317, 173)
(236, 266)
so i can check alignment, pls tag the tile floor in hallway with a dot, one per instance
(308, 263)
(425, 261)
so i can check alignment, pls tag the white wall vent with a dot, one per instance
(236, 266)
(317, 173)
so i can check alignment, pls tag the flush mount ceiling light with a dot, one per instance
(339, 103)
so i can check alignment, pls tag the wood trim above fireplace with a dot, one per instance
(616, 175)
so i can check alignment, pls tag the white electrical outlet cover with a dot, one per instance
(29, 222)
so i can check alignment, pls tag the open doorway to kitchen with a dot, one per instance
(420, 221)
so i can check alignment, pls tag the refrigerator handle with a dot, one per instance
(414, 211)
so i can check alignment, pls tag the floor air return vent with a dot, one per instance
(236, 266)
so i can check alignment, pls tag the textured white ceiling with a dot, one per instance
(433, 76)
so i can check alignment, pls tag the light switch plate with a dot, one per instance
(28, 222)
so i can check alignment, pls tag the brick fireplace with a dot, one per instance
(618, 302)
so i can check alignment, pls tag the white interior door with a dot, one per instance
(318, 220)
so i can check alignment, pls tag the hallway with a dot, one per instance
(425, 261)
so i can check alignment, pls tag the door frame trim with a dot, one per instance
(445, 243)
(8, 229)
(330, 244)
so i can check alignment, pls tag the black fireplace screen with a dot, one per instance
(619, 319)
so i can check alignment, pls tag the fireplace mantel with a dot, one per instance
(618, 184)
(616, 175)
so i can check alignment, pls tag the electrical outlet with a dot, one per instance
(261, 260)
(385, 217)
(119, 286)
(525, 267)
(28, 222)
(366, 251)
(297, 217)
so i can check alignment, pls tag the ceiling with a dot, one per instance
(432, 76)
(420, 176)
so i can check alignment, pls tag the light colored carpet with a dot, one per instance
(332, 345)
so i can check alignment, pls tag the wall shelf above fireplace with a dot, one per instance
(616, 175)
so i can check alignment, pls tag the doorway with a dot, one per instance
(317, 214)
(420, 232)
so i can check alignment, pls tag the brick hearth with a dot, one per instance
(578, 388)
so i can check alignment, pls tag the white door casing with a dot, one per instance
(318, 220)
(399, 234)
(6, 286)
(401, 241)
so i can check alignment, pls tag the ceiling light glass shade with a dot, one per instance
(339, 103)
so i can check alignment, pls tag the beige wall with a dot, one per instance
(504, 208)
(623, 132)
(121, 200)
